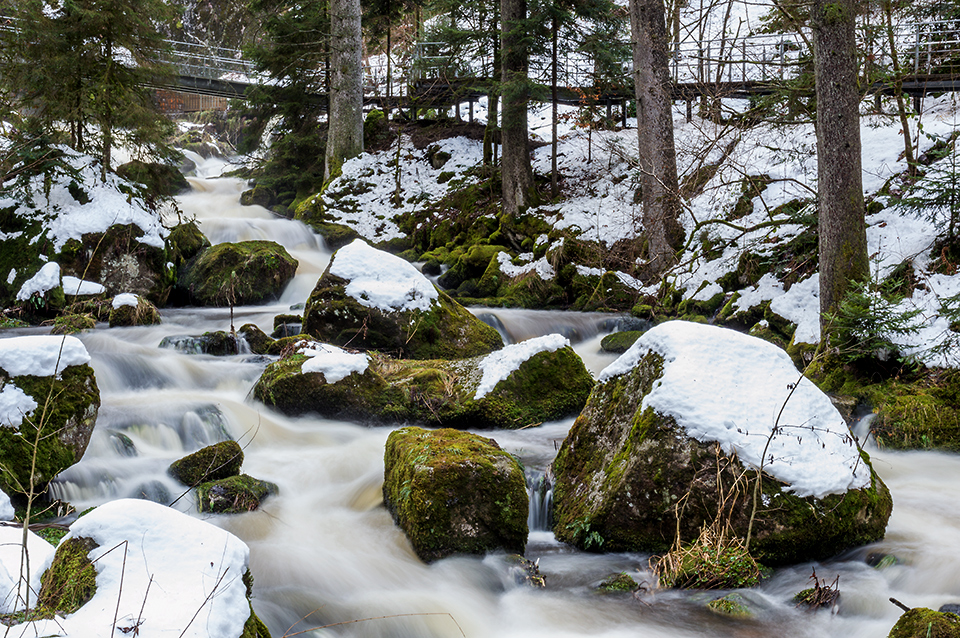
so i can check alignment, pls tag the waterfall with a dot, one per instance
(540, 492)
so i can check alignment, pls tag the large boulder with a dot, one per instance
(674, 434)
(212, 463)
(246, 272)
(48, 406)
(373, 300)
(454, 492)
(530, 382)
(121, 260)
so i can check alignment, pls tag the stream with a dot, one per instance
(326, 552)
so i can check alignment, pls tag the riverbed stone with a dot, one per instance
(454, 492)
(214, 462)
(547, 386)
(625, 470)
(242, 273)
(437, 329)
(143, 313)
(234, 494)
(921, 622)
(72, 400)
(218, 343)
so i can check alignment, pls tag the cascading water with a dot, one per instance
(325, 551)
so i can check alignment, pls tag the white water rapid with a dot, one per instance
(325, 551)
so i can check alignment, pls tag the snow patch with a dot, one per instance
(6, 508)
(332, 362)
(721, 385)
(14, 405)
(801, 305)
(41, 355)
(499, 365)
(47, 278)
(381, 280)
(77, 287)
(125, 299)
(13, 583)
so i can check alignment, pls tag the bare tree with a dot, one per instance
(657, 154)
(345, 134)
(515, 168)
(840, 205)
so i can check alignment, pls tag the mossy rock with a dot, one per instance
(926, 623)
(471, 264)
(254, 627)
(143, 314)
(69, 582)
(234, 494)
(160, 180)
(920, 415)
(212, 463)
(335, 236)
(242, 273)
(120, 262)
(619, 455)
(69, 324)
(259, 195)
(65, 430)
(454, 492)
(619, 342)
(621, 582)
(446, 330)
(548, 386)
(732, 605)
(257, 339)
(185, 242)
(718, 566)
(604, 292)
(219, 343)
(22, 244)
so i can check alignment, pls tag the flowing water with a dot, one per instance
(325, 551)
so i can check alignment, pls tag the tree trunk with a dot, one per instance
(515, 168)
(887, 6)
(840, 206)
(345, 134)
(657, 154)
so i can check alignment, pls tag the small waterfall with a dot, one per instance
(540, 492)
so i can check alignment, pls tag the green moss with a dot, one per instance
(185, 242)
(72, 324)
(454, 492)
(241, 273)
(714, 567)
(159, 180)
(732, 605)
(214, 462)
(926, 623)
(71, 580)
(621, 582)
(143, 314)
(256, 338)
(254, 627)
(234, 494)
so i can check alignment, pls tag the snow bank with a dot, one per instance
(6, 507)
(499, 365)
(333, 362)
(41, 355)
(47, 278)
(12, 582)
(182, 577)
(721, 385)
(75, 286)
(14, 405)
(125, 299)
(381, 280)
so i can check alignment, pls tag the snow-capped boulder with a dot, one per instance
(686, 417)
(241, 273)
(15, 590)
(530, 382)
(373, 300)
(46, 384)
(454, 492)
(133, 564)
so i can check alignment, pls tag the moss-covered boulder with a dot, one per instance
(619, 342)
(48, 403)
(921, 622)
(454, 492)
(120, 261)
(214, 462)
(218, 343)
(538, 380)
(185, 242)
(234, 494)
(691, 412)
(371, 299)
(133, 310)
(68, 324)
(258, 341)
(159, 180)
(247, 272)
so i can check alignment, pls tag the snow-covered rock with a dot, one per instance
(15, 589)
(691, 407)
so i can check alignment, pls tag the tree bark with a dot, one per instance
(345, 117)
(515, 169)
(840, 205)
(657, 155)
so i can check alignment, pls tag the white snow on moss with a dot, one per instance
(6, 507)
(125, 299)
(540, 266)
(801, 305)
(12, 276)
(13, 582)
(46, 279)
(41, 355)
(746, 394)
(497, 366)
(14, 405)
(333, 362)
(380, 280)
(175, 575)
(74, 286)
